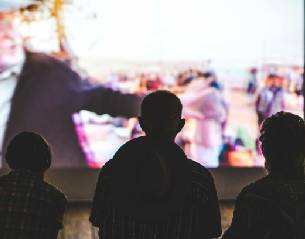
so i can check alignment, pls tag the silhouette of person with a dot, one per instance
(150, 189)
(29, 207)
(274, 206)
(37, 89)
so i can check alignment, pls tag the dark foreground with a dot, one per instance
(77, 226)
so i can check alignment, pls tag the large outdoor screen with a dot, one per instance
(232, 63)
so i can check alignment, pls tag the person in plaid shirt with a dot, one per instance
(29, 207)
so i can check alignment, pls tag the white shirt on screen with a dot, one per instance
(8, 83)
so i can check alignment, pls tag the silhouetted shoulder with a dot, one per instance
(55, 192)
(259, 185)
(127, 150)
(134, 147)
(34, 206)
(271, 189)
(134, 144)
(266, 209)
(200, 171)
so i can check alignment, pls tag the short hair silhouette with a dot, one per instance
(28, 150)
(283, 142)
(161, 115)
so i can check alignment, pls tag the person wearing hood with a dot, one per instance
(150, 189)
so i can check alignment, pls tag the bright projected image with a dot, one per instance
(232, 63)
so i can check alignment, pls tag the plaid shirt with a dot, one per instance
(29, 207)
(199, 218)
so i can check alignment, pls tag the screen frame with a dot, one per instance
(78, 184)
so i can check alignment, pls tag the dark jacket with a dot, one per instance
(154, 191)
(48, 92)
(270, 208)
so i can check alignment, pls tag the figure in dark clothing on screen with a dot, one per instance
(40, 93)
(252, 83)
(150, 189)
(29, 207)
(274, 206)
(271, 98)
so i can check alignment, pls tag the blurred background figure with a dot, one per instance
(270, 99)
(11, 60)
(40, 93)
(252, 84)
(207, 111)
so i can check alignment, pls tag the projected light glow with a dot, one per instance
(248, 48)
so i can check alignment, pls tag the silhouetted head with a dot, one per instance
(283, 144)
(28, 150)
(161, 116)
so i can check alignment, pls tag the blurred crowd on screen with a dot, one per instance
(207, 137)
